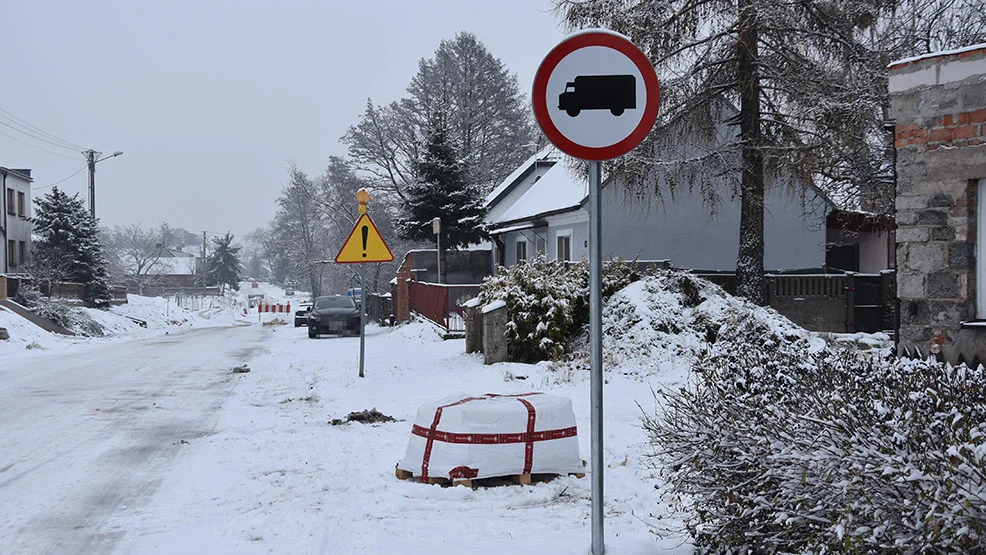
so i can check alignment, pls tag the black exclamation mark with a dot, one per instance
(366, 231)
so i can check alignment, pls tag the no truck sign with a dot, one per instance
(596, 95)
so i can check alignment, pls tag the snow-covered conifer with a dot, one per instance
(68, 246)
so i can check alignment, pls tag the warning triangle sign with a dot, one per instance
(364, 244)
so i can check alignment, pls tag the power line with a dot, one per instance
(67, 144)
(60, 180)
(35, 137)
(38, 147)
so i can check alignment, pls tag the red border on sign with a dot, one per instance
(551, 61)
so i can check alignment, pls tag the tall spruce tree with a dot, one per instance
(224, 263)
(442, 191)
(68, 248)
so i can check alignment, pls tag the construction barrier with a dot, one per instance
(261, 307)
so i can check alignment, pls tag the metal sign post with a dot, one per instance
(596, 351)
(363, 245)
(596, 96)
(362, 316)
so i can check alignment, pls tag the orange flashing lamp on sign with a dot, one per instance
(364, 244)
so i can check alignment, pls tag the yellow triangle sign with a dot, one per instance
(364, 244)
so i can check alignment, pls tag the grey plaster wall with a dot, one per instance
(692, 234)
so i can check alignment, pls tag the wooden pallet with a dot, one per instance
(519, 479)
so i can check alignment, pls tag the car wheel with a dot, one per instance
(296, 324)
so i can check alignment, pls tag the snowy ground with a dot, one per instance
(269, 474)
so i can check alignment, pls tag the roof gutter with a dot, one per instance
(532, 219)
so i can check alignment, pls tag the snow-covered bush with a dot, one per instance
(71, 318)
(548, 302)
(773, 450)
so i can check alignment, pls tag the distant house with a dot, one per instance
(542, 209)
(174, 269)
(16, 198)
(938, 102)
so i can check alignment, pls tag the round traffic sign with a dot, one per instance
(596, 95)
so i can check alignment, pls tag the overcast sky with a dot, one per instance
(209, 100)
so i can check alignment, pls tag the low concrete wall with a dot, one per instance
(494, 336)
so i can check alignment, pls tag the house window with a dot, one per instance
(521, 249)
(10, 202)
(564, 246)
(22, 251)
(540, 244)
(11, 253)
(981, 250)
(21, 211)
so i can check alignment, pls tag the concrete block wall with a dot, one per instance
(938, 103)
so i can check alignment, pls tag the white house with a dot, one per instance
(16, 210)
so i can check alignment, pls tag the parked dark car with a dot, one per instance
(333, 314)
(301, 315)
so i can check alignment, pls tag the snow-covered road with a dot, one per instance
(90, 433)
(154, 445)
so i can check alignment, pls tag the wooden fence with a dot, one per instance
(829, 302)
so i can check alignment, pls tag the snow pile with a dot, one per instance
(137, 317)
(672, 318)
(23, 334)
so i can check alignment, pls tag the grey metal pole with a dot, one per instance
(362, 316)
(596, 352)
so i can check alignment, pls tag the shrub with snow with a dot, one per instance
(779, 450)
(548, 302)
(69, 317)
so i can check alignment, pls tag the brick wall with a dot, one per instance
(939, 105)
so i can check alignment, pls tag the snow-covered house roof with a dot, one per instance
(541, 186)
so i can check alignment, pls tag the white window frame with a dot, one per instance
(567, 235)
(520, 241)
(981, 250)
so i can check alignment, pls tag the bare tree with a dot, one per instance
(491, 122)
(137, 252)
(300, 230)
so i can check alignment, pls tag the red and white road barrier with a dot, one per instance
(496, 436)
(274, 307)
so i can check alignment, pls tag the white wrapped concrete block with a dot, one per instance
(466, 437)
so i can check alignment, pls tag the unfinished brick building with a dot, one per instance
(938, 102)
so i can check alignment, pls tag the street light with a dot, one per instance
(92, 159)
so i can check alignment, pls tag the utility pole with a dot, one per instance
(91, 160)
(202, 269)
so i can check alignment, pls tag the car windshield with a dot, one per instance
(335, 302)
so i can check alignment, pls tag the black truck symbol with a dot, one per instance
(599, 92)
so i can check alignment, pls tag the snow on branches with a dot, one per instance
(777, 450)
